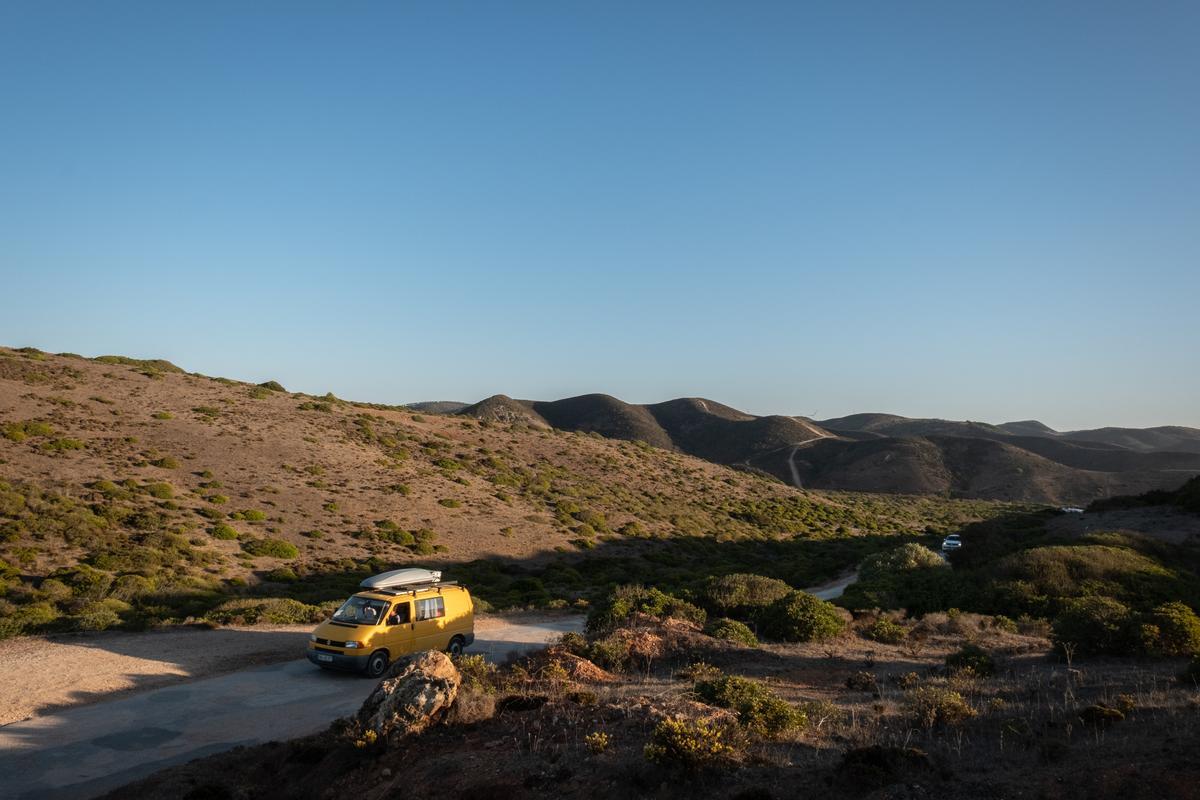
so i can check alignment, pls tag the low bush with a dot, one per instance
(886, 630)
(758, 709)
(800, 617)
(931, 706)
(689, 744)
(1093, 626)
(974, 658)
(625, 601)
(862, 681)
(742, 594)
(160, 491)
(731, 631)
(272, 610)
(1171, 629)
(223, 531)
(270, 548)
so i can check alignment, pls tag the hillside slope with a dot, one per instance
(1024, 461)
(133, 492)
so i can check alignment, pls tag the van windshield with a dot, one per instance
(361, 611)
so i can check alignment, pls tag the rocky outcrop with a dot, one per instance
(415, 691)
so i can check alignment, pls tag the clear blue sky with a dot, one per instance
(982, 210)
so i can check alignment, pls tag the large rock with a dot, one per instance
(413, 692)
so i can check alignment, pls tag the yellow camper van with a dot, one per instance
(396, 613)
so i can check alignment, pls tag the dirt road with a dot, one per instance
(96, 746)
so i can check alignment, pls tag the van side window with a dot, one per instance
(431, 608)
(400, 614)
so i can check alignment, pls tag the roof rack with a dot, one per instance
(403, 579)
(413, 589)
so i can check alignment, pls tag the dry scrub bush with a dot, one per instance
(691, 744)
(932, 706)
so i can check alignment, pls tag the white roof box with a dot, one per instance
(398, 578)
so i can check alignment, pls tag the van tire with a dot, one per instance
(377, 664)
(456, 646)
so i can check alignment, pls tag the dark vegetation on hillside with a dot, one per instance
(1186, 498)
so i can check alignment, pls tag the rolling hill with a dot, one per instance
(133, 493)
(1020, 461)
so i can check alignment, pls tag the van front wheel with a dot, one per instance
(455, 648)
(377, 662)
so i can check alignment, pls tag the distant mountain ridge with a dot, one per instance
(1173, 438)
(1025, 460)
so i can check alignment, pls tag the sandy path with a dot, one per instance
(83, 751)
(43, 674)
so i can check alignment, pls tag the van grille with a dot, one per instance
(330, 642)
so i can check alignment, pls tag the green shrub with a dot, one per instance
(905, 558)
(731, 631)
(283, 575)
(274, 386)
(100, 615)
(1093, 626)
(742, 594)
(223, 531)
(19, 431)
(886, 630)
(974, 658)
(166, 462)
(758, 709)
(270, 548)
(161, 491)
(625, 601)
(30, 618)
(800, 617)
(59, 445)
(689, 744)
(163, 415)
(273, 610)
(130, 587)
(931, 706)
(910, 576)
(449, 503)
(1172, 629)
(85, 581)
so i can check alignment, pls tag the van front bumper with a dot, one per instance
(324, 658)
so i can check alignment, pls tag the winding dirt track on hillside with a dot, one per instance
(792, 458)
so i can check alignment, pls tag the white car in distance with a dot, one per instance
(951, 542)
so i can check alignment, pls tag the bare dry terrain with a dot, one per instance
(876, 720)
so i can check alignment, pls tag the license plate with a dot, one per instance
(323, 657)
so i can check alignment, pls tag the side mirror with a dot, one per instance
(394, 619)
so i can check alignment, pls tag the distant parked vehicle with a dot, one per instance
(1071, 510)
(951, 542)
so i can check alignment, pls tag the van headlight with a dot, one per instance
(312, 637)
(353, 645)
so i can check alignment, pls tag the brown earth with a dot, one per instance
(1037, 728)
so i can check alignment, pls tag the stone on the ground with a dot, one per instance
(416, 690)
